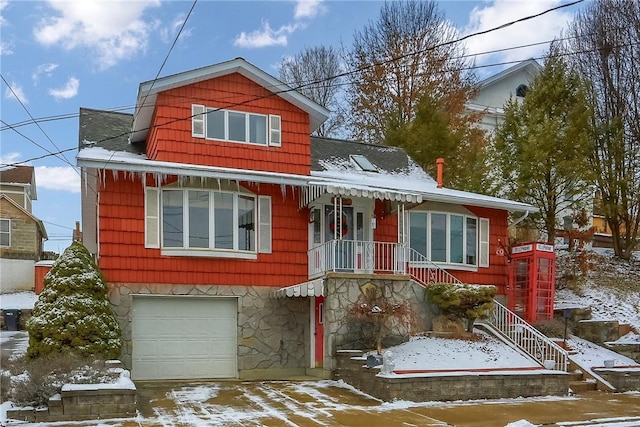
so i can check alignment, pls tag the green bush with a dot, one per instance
(73, 314)
(468, 302)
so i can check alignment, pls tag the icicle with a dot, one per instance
(283, 190)
(84, 177)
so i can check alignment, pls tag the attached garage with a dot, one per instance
(184, 337)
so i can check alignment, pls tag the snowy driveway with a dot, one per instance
(331, 403)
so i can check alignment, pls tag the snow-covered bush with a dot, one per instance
(468, 302)
(73, 313)
(33, 381)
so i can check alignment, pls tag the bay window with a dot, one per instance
(203, 222)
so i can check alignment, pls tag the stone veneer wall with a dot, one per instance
(351, 369)
(343, 290)
(622, 379)
(273, 334)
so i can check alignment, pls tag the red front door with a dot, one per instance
(319, 332)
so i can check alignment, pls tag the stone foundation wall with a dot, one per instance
(448, 388)
(598, 331)
(273, 334)
(343, 333)
(632, 351)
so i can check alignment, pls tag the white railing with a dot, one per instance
(527, 338)
(425, 271)
(356, 256)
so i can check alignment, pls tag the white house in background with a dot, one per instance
(496, 90)
(21, 233)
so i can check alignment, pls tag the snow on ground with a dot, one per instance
(18, 300)
(435, 353)
(590, 355)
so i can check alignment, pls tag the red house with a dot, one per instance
(233, 242)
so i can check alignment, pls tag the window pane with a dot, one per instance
(472, 241)
(246, 226)
(223, 220)
(237, 126)
(258, 129)
(455, 238)
(198, 219)
(4, 225)
(418, 232)
(438, 237)
(172, 219)
(215, 124)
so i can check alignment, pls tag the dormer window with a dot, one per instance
(235, 126)
(521, 91)
(363, 163)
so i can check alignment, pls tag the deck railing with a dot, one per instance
(394, 258)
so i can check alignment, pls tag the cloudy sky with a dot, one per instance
(60, 55)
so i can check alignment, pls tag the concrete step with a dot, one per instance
(578, 387)
(576, 376)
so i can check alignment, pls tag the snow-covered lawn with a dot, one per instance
(18, 300)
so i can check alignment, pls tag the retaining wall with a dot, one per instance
(351, 369)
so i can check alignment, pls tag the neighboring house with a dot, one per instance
(234, 243)
(495, 91)
(21, 233)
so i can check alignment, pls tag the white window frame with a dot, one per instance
(198, 121)
(275, 130)
(483, 242)
(152, 218)
(481, 245)
(273, 124)
(8, 232)
(262, 239)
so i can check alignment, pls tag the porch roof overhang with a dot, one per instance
(316, 189)
(311, 288)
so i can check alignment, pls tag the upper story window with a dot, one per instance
(236, 126)
(521, 90)
(203, 222)
(5, 232)
(450, 239)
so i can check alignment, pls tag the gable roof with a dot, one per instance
(20, 175)
(529, 66)
(38, 222)
(148, 91)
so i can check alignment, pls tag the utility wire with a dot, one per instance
(344, 74)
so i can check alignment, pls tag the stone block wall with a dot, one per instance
(351, 369)
(343, 290)
(632, 351)
(598, 331)
(622, 379)
(84, 402)
(273, 334)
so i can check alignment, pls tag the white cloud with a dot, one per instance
(266, 36)
(63, 178)
(114, 30)
(69, 90)
(308, 9)
(15, 92)
(168, 33)
(497, 12)
(8, 159)
(6, 48)
(3, 4)
(43, 69)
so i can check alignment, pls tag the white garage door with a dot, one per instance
(184, 338)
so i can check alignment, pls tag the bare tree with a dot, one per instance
(605, 42)
(316, 73)
(409, 51)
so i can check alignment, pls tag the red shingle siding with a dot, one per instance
(386, 225)
(170, 137)
(123, 257)
(497, 273)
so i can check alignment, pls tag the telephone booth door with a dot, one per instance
(532, 277)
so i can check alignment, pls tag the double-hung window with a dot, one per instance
(450, 238)
(235, 126)
(203, 222)
(5, 232)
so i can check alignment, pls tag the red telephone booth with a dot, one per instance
(532, 277)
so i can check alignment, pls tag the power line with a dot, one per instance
(37, 124)
(344, 74)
